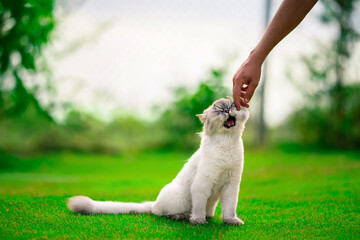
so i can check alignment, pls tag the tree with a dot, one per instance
(179, 120)
(340, 12)
(332, 110)
(25, 27)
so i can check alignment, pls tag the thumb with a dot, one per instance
(250, 91)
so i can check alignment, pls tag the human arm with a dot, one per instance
(247, 77)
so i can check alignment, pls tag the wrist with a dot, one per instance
(256, 56)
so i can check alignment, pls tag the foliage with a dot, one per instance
(179, 120)
(340, 12)
(317, 124)
(175, 128)
(315, 195)
(25, 27)
(27, 127)
(80, 131)
(329, 117)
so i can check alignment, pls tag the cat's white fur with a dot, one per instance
(213, 172)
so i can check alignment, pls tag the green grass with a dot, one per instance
(283, 195)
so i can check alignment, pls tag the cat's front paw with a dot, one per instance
(198, 221)
(233, 221)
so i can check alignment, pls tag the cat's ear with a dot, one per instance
(201, 117)
(230, 98)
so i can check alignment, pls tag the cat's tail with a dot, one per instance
(85, 205)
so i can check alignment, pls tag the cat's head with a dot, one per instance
(223, 117)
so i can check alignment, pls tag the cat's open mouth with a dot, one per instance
(230, 122)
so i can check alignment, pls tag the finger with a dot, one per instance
(237, 92)
(243, 103)
(236, 96)
(250, 91)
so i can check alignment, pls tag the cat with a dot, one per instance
(213, 172)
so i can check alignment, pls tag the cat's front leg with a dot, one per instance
(211, 204)
(229, 199)
(200, 193)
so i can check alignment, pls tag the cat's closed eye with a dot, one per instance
(218, 109)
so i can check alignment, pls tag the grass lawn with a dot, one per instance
(283, 194)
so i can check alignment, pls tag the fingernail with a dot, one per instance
(246, 100)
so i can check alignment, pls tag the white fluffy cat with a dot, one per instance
(212, 173)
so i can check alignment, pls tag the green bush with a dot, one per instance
(179, 120)
(176, 127)
(331, 112)
(319, 122)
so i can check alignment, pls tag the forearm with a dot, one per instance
(247, 77)
(287, 17)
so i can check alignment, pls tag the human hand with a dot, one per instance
(245, 81)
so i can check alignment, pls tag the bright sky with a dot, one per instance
(110, 54)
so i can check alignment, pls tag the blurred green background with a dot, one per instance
(52, 148)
